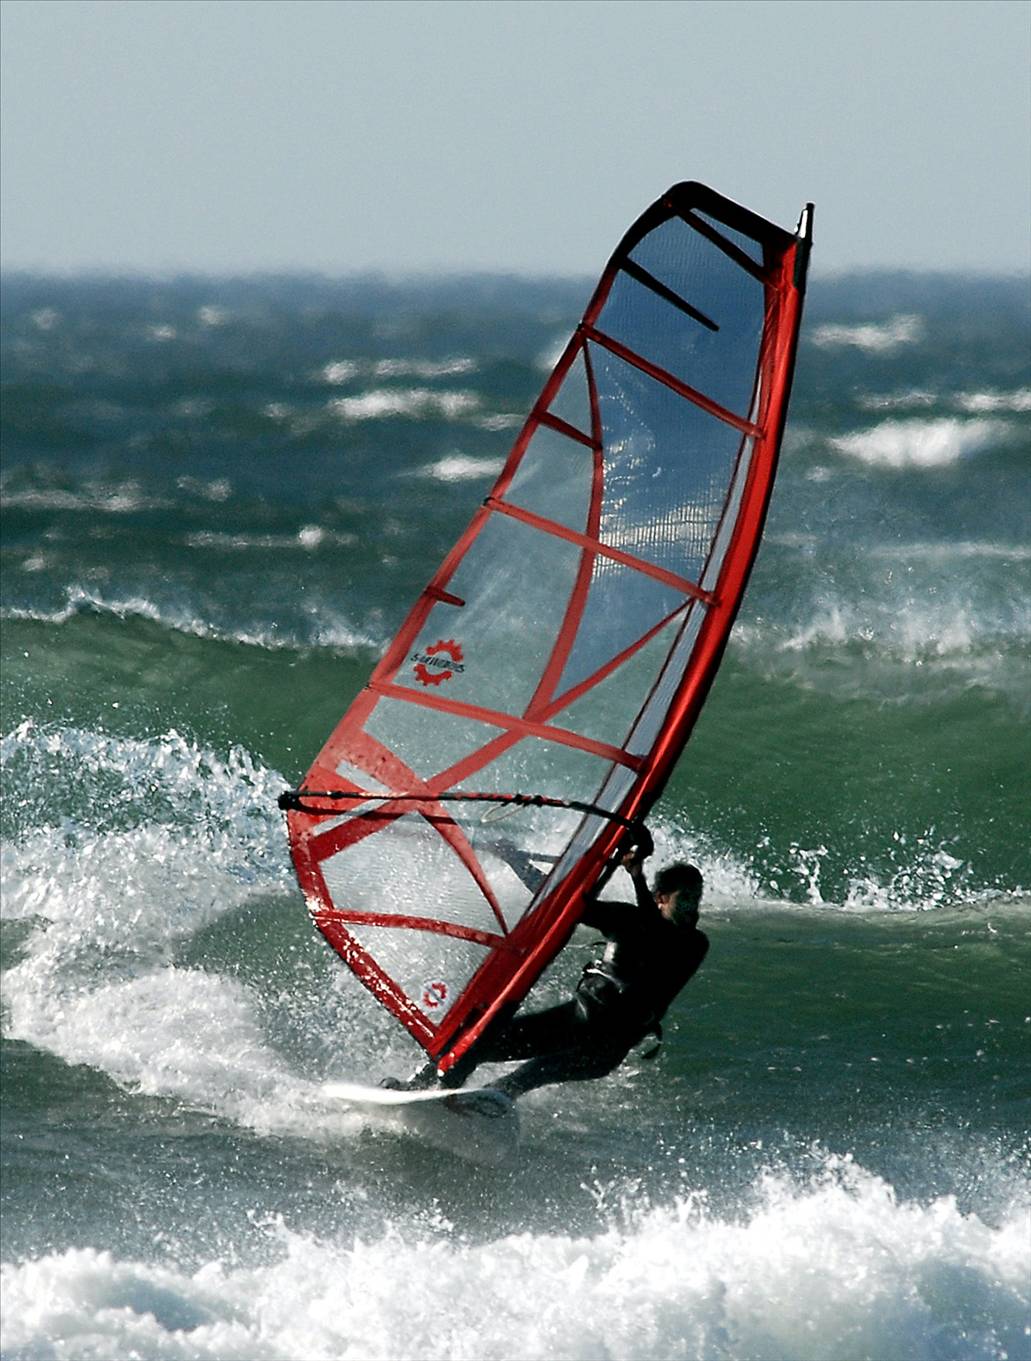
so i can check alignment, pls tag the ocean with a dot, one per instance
(220, 498)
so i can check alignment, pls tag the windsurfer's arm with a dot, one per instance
(634, 855)
(608, 917)
(643, 894)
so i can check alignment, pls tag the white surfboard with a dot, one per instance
(480, 1126)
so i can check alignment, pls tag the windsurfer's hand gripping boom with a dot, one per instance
(635, 849)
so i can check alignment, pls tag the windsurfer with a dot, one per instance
(653, 948)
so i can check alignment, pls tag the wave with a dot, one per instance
(840, 1257)
(915, 399)
(872, 337)
(917, 650)
(900, 625)
(461, 468)
(331, 632)
(944, 552)
(1018, 400)
(1014, 402)
(308, 537)
(343, 371)
(896, 874)
(105, 498)
(413, 403)
(909, 636)
(125, 849)
(919, 444)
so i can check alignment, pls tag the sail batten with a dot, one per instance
(668, 380)
(595, 545)
(564, 648)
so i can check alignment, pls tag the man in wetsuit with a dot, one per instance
(653, 948)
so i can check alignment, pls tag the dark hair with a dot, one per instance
(679, 877)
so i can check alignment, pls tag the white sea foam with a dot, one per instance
(308, 537)
(107, 498)
(342, 371)
(217, 489)
(415, 403)
(339, 371)
(872, 337)
(991, 401)
(1016, 401)
(919, 444)
(907, 631)
(332, 631)
(904, 643)
(916, 399)
(938, 551)
(423, 368)
(78, 601)
(110, 898)
(836, 1267)
(502, 420)
(461, 468)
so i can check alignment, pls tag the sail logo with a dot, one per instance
(434, 995)
(439, 662)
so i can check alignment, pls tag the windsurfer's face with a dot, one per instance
(679, 906)
(668, 903)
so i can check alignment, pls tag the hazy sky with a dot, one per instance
(235, 135)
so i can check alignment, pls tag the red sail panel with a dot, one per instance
(565, 646)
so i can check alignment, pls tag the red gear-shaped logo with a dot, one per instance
(434, 995)
(440, 673)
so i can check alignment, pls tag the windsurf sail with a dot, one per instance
(555, 665)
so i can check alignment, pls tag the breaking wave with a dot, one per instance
(331, 632)
(839, 1263)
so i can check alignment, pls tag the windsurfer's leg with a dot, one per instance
(512, 1038)
(526, 1037)
(580, 1064)
(508, 1040)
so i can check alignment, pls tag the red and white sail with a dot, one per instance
(566, 644)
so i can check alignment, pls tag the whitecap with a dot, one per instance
(217, 489)
(869, 336)
(331, 631)
(916, 399)
(837, 1265)
(414, 403)
(423, 368)
(504, 420)
(109, 498)
(938, 551)
(462, 468)
(1015, 401)
(307, 537)
(917, 443)
(339, 371)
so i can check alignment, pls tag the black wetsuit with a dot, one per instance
(620, 999)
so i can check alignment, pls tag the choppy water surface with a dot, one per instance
(219, 500)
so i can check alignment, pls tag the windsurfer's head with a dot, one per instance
(678, 892)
